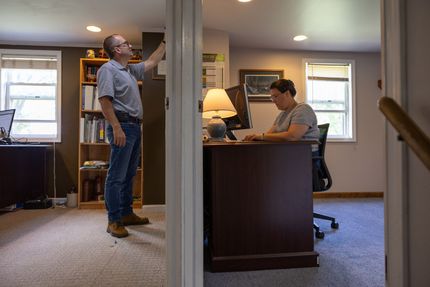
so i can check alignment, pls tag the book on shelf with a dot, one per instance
(90, 98)
(82, 130)
(93, 129)
(96, 103)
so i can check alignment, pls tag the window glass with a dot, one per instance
(30, 85)
(337, 122)
(329, 90)
(326, 95)
(29, 129)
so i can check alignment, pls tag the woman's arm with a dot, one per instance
(295, 132)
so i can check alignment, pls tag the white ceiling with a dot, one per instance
(331, 25)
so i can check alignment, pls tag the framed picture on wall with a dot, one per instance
(258, 82)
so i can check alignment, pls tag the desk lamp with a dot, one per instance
(216, 106)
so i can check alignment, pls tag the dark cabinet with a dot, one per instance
(23, 173)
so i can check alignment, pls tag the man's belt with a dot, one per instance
(124, 117)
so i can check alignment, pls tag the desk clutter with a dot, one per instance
(5, 141)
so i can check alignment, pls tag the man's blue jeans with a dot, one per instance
(122, 168)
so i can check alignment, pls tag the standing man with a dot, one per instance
(121, 105)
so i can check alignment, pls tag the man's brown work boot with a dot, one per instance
(133, 219)
(116, 229)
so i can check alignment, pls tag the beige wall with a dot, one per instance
(216, 41)
(355, 167)
(418, 107)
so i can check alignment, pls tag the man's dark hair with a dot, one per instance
(283, 86)
(108, 45)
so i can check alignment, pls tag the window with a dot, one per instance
(30, 83)
(330, 92)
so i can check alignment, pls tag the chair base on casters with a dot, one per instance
(319, 234)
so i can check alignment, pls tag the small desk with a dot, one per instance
(23, 172)
(258, 205)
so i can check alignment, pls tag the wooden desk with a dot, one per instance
(258, 205)
(23, 173)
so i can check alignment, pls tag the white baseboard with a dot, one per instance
(154, 208)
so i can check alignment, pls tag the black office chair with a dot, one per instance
(321, 179)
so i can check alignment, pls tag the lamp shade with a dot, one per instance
(217, 103)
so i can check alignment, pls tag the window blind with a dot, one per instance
(28, 62)
(328, 72)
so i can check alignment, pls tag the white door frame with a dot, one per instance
(184, 188)
(396, 196)
(184, 199)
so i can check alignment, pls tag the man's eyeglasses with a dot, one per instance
(123, 43)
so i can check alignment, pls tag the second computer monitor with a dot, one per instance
(239, 97)
(6, 119)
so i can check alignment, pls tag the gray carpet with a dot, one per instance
(352, 256)
(70, 247)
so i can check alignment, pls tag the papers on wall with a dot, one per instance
(213, 72)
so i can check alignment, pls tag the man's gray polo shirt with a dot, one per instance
(120, 83)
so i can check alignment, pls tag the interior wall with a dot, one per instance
(66, 152)
(153, 95)
(218, 42)
(355, 166)
(417, 98)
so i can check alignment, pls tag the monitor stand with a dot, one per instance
(230, 135)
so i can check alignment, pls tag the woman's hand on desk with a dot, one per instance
(254, 137)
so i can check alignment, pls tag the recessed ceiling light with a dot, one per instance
(300, 38)
(244, 1)
(93, 28)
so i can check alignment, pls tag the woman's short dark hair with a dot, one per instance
(283, 86)
(108, 45)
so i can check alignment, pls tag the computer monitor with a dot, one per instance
(239, 97)
(6, 119)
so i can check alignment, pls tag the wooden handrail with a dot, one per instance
(414, 137)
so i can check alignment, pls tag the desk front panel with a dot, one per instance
(260, 200)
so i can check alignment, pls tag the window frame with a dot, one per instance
(352, 102)
(53, 53)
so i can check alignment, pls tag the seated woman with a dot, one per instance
(297, 121)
